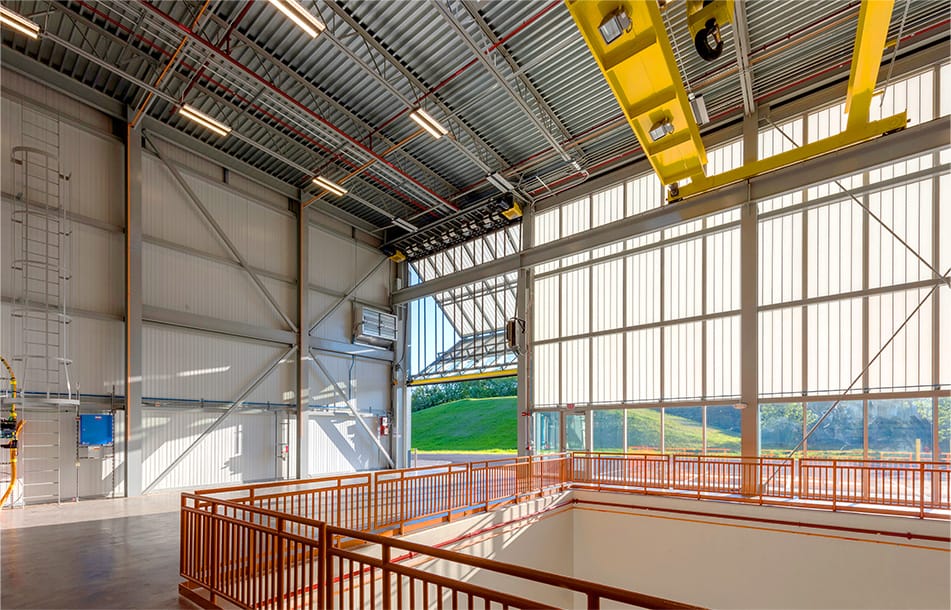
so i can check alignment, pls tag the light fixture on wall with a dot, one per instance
(300, 16)
(614, 25)
(660, 129)
(699, 107)
(427, 122)
(204, 120)
(19, 23)
(329, 185)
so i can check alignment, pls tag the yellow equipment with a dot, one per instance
(627, 40)
(704, 19)
(14, 426)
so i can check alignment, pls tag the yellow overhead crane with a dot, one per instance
(628, 40)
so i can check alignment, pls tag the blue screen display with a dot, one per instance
(95, 429)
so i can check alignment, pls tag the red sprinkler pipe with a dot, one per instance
(252, 105)
(269, 85)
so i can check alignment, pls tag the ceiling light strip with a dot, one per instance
(329, 185)
(300, 16)
(427, 122)
(19, 23)
(204, 120)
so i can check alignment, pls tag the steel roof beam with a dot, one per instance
(330, 130)
(494, 72)
(393, 61)
(741, 45)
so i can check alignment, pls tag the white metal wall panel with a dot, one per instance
(333, 262)
(339, 445)
(191, 365)
(97, 348)
(22, 87)
(242, 449)
(183, 282)
(97, 266)
(337, 325)
(365, 383)
(94, 164)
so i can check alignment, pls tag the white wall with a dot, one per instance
(187, 269)
(724, 563)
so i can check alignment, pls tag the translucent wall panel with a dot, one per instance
(643, 365)
(840, 435)
(575, 302)
(906, 211)
(901, 429)
(780, 259)
(722, 357)
(607, 357)
(547, 300)
(835, 345)
(914, 95)
(607, 295)
(780, 428)
(574, 373)
(643, 193)
(547, 372)
(826, 122)
(643, 430)
(834, 249)
(683, 367)
(772, 141)
(723, 430)
(906, 361)
(608, 433)
(484, 249)
(683, 430)
(607, 206)
(780, 350)
(723, 271)
(642, 288)
(683, 295)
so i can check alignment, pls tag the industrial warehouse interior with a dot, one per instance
(475, 304)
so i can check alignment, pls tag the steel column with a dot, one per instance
(215, 424)
(749, 317)
(524, 299)
(302, 337)
(133, 312)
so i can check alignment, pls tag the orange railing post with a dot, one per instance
(921, 490)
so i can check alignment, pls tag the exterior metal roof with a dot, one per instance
(339, 104)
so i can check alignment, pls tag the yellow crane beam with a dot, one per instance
(628, 40)
(874, 17)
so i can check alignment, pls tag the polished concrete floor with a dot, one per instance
(90, 557)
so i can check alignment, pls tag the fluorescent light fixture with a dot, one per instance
(329, 185)
(498, 181)
(427, 122)
(614, 25)
(699, 107)
(19, 23)
(661, 129)
(204, 120)
(300, 16)
(406, 226)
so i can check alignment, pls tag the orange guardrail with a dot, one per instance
(874, 486)
(258, 558)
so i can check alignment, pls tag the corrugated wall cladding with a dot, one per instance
(263, 235)
(337, 263)
(187, 283)
(339, 445)
(366, 384)
(192, 365)
(243, 449)
(98, 352)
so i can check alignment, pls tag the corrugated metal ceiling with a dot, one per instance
(338, 105)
